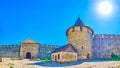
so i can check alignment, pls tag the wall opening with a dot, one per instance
(58, 56)
(28, 55)
(55, 58)
(88, 56)
(80, 28)
(82, 47)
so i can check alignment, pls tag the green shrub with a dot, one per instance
(11, 66)
(115, 57)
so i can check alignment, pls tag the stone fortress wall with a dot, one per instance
(46, 50)
(13, 51)
(9, 51)
(105, 44)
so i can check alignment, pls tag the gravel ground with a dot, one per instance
(37, 64)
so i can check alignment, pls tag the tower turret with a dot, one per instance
(80, 36)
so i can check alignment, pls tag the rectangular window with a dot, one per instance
(52, 56)
(58, 56)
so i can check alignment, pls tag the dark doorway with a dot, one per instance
(28, 55)
(88, 56)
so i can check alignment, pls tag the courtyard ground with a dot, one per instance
(25, 63)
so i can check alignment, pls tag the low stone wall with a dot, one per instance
(4, 59)
(0, 59)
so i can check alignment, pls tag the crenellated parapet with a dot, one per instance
(107, 35)
(11, 45)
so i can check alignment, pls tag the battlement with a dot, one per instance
(81, 29)
(106, 36)
(12, 45)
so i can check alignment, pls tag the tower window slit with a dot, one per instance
(73, 29)
(80, 28)
(82, 47)
(87, 30)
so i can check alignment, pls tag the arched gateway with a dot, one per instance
(28, 55)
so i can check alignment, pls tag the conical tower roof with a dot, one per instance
(79, 22)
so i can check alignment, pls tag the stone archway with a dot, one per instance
(28, 55)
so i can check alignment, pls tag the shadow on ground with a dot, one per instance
(54, 64)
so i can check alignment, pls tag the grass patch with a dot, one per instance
(116, 60)
(46, 60)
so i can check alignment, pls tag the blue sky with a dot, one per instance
(46, 21)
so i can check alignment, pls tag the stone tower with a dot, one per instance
(29, 49)
(80, 36)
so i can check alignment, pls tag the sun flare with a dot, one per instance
(105, 8)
